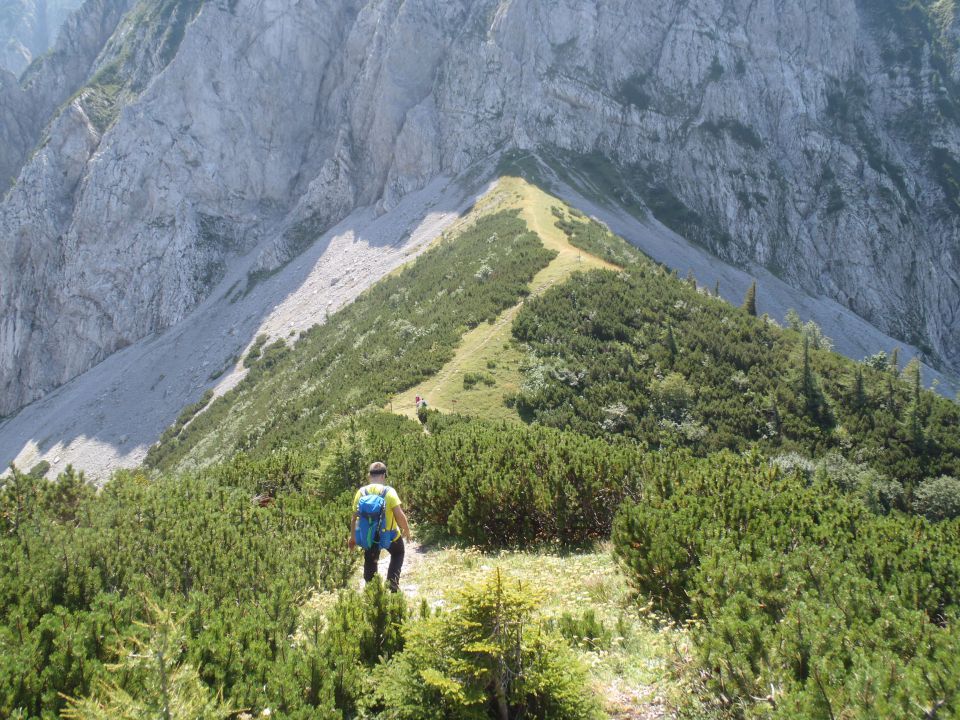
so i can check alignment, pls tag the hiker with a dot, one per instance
(264, 499)
(378, 521)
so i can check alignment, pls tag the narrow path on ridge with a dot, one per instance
(486, 350)
(633, 676)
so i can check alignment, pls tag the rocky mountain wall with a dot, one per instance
(32, 101)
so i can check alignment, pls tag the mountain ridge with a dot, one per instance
(72, 425)
(529, 311)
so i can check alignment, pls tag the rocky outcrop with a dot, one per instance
(16, 133)
(818, 139)
(76, 56)
(30, 103)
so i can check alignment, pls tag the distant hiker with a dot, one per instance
(377, 523)
(264, 499)
(417, 401)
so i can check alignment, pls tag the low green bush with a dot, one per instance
(806, 604)
(251, 358)
(152, 679)
(805, 635)
(472, 379)
(584, 630)
(78, 570)
(40, 470)
(360, 631)
(690, 505)
(487, 657)
(938, 498)
(502, 485)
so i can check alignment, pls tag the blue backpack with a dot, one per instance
(372, 522)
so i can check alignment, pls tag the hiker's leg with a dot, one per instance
(396, 562)
(370, 559)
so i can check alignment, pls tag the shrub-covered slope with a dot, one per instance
(400, 332)
(636, 353)
(645, 355)
(756, 487)
(79, 570)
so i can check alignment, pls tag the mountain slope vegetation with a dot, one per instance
(486, 368)
(397, 334)
(783, 519)
(623, 349)
(644, 355)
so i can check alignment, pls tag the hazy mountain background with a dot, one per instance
(28, 28)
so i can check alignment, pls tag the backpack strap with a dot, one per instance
(383, 510)
(384, 521)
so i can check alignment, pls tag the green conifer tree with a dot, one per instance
(914, 418)
(153, 681)
(808, 382)
(489, 657)
(895, 360)
(750, 301)
(859, 392)
(671, 343)
(891, 401)
(793, 320)
(776, 421)
(912, 374)
(815, 403)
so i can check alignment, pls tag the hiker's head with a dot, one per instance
(378, 471)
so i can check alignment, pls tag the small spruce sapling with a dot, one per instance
(750, 301)
(154, 680)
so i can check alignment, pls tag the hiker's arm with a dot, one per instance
(352, 540)
(401, 519)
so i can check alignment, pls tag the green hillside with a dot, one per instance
(643, 355)
(397, 334)
(632, 500)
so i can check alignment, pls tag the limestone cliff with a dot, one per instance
(28, 105)
(818, 138)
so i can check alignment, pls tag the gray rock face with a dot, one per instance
(819, 139)
(16, 132)
(29, 104)
(28, 28)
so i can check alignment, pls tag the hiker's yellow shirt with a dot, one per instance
(392, 501)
